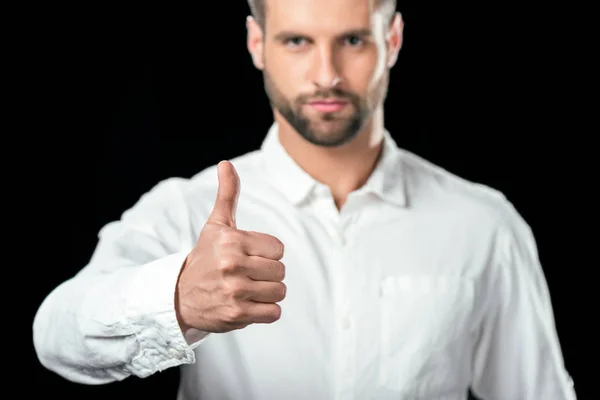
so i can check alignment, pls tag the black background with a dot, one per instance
(139, 95)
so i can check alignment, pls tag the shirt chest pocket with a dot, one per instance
(425, 327)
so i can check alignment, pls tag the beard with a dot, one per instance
(327, 129)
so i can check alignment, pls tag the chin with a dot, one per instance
(330, 138)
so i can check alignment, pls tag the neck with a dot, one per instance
(344, 169)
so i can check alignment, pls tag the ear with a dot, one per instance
(394, 39)
(255, 42)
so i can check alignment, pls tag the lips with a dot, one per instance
(328, 105)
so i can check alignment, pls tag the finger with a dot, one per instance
(228, 192)
(249, 312)
(265, 292)
(263, 269)
(263, 245)
(263, 313)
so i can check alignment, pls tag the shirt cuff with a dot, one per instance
(151, 311)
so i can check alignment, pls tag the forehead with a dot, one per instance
(319, 15)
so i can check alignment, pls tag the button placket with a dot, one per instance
(345, 343)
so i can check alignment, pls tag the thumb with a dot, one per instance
(228, 193)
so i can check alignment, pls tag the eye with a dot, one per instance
(354, 41)
(295, 42)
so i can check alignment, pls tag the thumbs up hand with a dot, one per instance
(231, 278)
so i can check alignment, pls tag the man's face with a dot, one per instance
(325, 65)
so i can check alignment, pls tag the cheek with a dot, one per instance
(286, 76)
(364, 72)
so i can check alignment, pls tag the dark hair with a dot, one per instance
(257, 7)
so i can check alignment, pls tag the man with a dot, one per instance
(401, 280)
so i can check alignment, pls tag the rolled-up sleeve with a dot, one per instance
(116, 317)
(518, 354)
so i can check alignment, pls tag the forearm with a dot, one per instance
(102, 327)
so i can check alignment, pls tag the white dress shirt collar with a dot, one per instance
(386, 181)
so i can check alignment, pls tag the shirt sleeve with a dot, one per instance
(116, 317)
(518, 354)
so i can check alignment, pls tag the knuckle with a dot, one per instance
(232, 290)
(229, 264)
(230, 237)
(233, 315)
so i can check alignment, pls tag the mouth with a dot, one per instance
(328, 106)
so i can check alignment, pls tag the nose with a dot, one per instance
(326, 74)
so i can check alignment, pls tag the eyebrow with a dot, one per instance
(282, 36)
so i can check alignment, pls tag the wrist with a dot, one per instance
(178, 309)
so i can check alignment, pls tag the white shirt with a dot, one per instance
(423, 285)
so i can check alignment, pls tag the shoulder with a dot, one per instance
(471, 205)
(179, 202)
(478, 218)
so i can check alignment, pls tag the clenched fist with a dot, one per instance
(231, 278)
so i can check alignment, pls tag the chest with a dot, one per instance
(380, 300)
